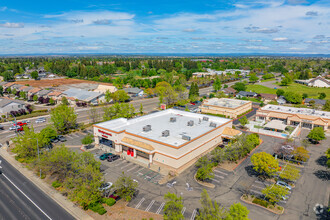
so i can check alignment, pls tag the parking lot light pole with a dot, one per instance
(39, 158)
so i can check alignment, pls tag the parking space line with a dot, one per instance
(193, 214)
(183, 210)
(70, 137)
(75, 135)
(139, 171)
(120, 163)
(160, 208)
(258, 186)
(221, 177)
(132, 168)
(255, 191)
(221, 172)
(216, 180)
(149, 206)
(129, 164)
(139, 204)
(262, 182)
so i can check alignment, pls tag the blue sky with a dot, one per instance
(165, 26)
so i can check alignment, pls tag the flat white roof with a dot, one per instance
(160, 121)
(224, 102)
(292, 110)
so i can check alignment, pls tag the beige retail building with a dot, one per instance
(171, 138)
(229, 107)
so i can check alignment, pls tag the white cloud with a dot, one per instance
(4, 8)
(12, 25)
(281, 39)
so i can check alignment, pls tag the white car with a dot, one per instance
(25, 121)
(13, 128)
(41, 120)
(105, 186)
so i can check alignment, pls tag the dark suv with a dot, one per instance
(113, 158)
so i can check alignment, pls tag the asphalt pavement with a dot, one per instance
(21, 199)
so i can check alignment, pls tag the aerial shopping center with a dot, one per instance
(171, 138)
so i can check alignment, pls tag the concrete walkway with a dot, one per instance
(66, 204)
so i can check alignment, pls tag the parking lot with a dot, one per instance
(220, 176)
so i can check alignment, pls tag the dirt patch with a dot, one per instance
(121, 211)
(47, 83)
(230, 166)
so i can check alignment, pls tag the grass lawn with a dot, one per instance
(267, 80)
(294, 87)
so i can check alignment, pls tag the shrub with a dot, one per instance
(97, 207)
(56, 184)
(109, 201)
(260, 202)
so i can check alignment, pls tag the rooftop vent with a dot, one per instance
(147, 128)
(166, 133)
(205, 118)
(212, 124)
(186, 137)
(323, 114)
(190, 123)
(173, 119)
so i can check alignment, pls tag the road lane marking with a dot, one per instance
(26, 196)
(183, 210)
(149, 206)
(139, 204)
(160, 208)
(221, 172)
(193, 214)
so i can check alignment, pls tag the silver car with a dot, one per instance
(41, 120)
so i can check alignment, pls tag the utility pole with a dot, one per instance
(39, 158)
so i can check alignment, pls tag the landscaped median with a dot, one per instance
(250, 199)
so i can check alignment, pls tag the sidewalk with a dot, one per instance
(66, 204)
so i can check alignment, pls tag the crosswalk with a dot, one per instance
(154, 206)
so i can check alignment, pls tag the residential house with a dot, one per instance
(7, 85)
(33, 92)
(281, 100)
(315, 82)
(43, 93)
(242, 94)
(229, 91)
(8, 105)
(266, 98)
(55, 95)
(93, 98)
(319, 102)
(26, 88)
(134, 91)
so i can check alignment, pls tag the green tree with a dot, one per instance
(290, 173)
(63, 118)
(51, 101)
(125, 187)
(293, 97)
(48, 133)
(108, 96)
(205, 172)
(118, 110)
(237, 211)
(141, 109)
(327, 154)
(87, 140)
(239, 86)
(166, 93)
(1, 90)
(64, 101)
(285, 81)
(173, 207)
(210, 209)
(275, 193)
(253, 78)
(120, 96)
(34, 75)
(326, 106)
(264, 163)
(304, 95)
(194, 90)
(93, 114)
(217, 84)
(280, 92)
(244, 121)
(35, 98)
(13, 91)
(316, 134)
(322, 95)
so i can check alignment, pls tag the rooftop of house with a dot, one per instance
(317, 101)
(134, 90)
(224, 102)
(81, 94)
(4, 102)
(171, 120)
(292, 110)
(244, 93)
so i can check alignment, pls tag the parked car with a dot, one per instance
(61, 138)
(105, 156)
(14, 127)
(41, 120)
(112, 158)
(114, 196)
(1, 127)
(54, 140)
(283, 184)
(26, 121)
(105, 186)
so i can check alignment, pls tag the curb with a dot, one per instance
(212, 186)
(62, 201)
(251, 203)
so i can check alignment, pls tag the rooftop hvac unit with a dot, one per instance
(166, 133)
(190, 123)
(212, 124)
(186, 137)
(205, 118)
(173, 119)
(147, 128)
